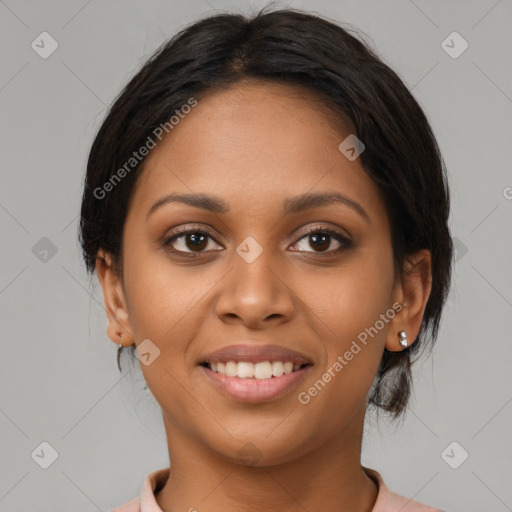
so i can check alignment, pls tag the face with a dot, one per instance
(267, 271)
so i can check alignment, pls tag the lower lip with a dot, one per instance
(256, 390)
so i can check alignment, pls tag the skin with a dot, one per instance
(255, 145)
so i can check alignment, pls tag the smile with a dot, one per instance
(255, 373)
(248, 370)
(255, 382)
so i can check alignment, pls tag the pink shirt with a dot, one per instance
(387, 501)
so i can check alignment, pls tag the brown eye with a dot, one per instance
(188, 241)
(321, 239)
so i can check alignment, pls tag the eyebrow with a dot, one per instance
(291, 205)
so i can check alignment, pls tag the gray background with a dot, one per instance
(58, 378)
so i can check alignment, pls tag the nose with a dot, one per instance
(255, 294)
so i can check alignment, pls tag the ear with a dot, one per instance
(119, 328)
(412, 292)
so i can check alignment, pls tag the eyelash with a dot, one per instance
(345, 243)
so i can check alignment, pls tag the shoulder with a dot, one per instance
(388, 501)
(146, 502)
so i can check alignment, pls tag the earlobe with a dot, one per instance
(413, 293)
(115, 303)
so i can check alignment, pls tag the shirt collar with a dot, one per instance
(386, 501)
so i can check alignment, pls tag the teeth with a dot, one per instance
(277, 369)
(248, 370)
(245, 370)
(231, 369)
(263, 370)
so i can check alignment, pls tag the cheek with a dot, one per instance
(161, 307)
(162, 295)
(352, 297)
(161, 300)
(353, 308)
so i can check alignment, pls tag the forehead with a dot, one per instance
(256, 142)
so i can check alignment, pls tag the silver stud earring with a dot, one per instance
(403, 338)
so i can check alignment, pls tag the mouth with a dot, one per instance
(255, 373)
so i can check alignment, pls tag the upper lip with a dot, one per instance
(255, 354)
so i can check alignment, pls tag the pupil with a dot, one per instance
(322, 239)
(197, 241)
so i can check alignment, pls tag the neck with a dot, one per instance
(330, 477)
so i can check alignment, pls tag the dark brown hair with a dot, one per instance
(297, 48)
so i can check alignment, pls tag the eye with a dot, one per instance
(320, 240)
(194, 241)
(188, 241)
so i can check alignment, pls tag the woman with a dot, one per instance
(266, 209)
